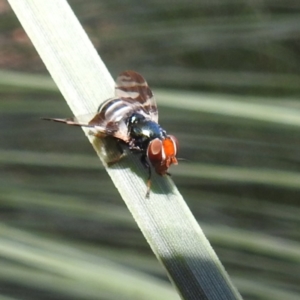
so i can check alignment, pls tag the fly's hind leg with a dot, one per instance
(97, 134)
(110, 142)
(114, 161)
(122, 154)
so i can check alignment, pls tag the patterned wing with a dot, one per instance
(133, 95)
(112, 115)
(83, 121)
(133, 88)
(99, 126)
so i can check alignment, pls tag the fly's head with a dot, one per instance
(162, 153)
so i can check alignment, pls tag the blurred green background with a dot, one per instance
(65, 232)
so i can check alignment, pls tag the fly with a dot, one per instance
(132, 117)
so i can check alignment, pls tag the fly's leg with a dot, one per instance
(147, 166)
(102, 135)
(114, 161)
(133, 149)
(97, 134)
(117, 159)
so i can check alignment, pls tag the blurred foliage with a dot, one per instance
(65, 232)
(238, 46)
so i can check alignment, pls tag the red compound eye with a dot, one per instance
(175, 144)
(155, 151)
(170, 145)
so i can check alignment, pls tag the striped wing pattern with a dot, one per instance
(133, 95)
(132, 87)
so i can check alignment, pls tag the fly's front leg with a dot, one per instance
(147, 166)
(132, 147)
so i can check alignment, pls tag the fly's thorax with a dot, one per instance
(142, 130)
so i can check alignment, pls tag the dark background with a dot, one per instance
(58, 207)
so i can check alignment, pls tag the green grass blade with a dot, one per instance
(165, 220)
